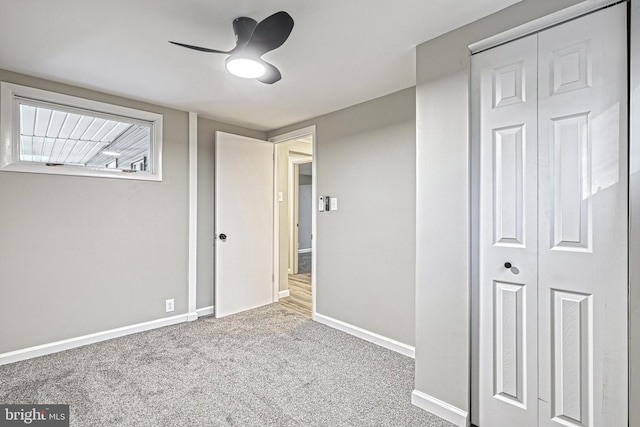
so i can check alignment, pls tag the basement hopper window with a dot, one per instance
(52, 133)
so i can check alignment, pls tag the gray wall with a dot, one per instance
(80, 255)
(305, 204)
(366, 249)
(443, 208)
(206, 161)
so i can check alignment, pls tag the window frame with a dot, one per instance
(12, 94)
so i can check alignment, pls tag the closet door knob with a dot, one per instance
(507, 265)
(223, 237)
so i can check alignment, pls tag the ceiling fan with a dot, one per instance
(253, 40)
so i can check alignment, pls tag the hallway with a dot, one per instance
(299, 299)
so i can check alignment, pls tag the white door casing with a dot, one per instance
(293, 217)
(309, 131)
(553, 203)
(244, 213)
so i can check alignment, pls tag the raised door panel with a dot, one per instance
(508, 191)
(510, 343)
(570, 162)
(572, 358)
(582, 273)
(505, 95)
(508, 85)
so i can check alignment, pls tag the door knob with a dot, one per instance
(223, 237)
(507, 265)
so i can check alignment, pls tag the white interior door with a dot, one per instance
(506, 77)
(243, 223)
(553, 204)
(583, 237)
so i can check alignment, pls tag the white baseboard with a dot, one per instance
(385, 342)
(54, 347)
(205, 311)
(442, 409)
(283, 294)
(304, 251)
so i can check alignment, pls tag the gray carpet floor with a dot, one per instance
(265, 367)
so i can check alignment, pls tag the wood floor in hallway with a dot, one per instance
(299, 299)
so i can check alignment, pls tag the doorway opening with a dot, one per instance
(295, 219)
(299, 224)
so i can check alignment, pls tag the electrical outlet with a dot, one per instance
(169, 305)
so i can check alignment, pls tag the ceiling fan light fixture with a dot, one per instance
(254, 39)
(244, 67)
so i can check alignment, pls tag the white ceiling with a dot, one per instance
(340, 52)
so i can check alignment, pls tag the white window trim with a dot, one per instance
(10, 135)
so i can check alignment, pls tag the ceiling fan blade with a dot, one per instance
(271, 74)
(201, 49)
(270, 33)
(243, 28)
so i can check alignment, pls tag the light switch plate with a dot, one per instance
(321, 204)
(334, 204)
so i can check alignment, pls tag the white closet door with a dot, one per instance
(506, 84)
(582, 268)
(552, 130)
